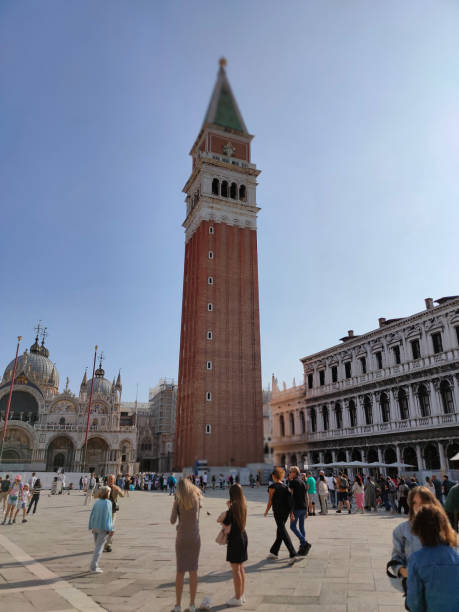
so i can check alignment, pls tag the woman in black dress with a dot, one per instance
(236, 552)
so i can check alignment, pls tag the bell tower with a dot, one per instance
(219, 401)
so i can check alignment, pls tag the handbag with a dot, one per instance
(222, 537)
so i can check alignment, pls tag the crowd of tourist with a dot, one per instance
(424, 563)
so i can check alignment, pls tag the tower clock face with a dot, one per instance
(228, 149)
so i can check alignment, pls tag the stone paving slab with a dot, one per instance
(344, 572)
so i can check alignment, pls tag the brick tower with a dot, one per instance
(219, 401)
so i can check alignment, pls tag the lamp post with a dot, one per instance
(9, 397)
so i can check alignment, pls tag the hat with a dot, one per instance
(18, 477)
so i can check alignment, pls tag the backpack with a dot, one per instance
(343, 483)
(5, 485)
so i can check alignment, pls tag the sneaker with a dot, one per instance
(205, 604)
(97, 570)
(177, 609)
(9, 522)
(273, 556)
(108, 548)
(192, 608)
(24, 520)
(350, 511)
(338, 512)
(244, 599)
(14, 520)
(233, 602)
(304, 550)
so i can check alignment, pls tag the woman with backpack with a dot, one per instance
(405, 541)
(280, 500)
(433, 571)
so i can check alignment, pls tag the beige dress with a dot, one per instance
(188, 541)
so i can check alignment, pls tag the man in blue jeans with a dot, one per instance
(299, 508)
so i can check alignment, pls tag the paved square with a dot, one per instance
(44, 563)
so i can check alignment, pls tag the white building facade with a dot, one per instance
(390, 395)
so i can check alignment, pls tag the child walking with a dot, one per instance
(236, 552)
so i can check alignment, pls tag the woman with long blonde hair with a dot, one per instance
(187, 504)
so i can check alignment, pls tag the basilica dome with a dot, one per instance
(36, 367)
(101, 384)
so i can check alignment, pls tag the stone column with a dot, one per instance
(348, 455)
(455, 391)
(397, 452)
(376, 408)
(413, 403)
(434, 397)
(394, 412)
(380, 455)
(333, 456)
(443, 460)
(419, 457)
(321, 457)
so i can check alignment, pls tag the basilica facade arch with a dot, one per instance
(47, 427)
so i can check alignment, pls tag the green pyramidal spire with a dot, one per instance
(223, 109)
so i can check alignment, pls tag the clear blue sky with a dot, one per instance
(355, 109)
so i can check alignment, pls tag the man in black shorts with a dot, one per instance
(343, 492)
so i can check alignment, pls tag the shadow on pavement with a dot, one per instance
(43, 559)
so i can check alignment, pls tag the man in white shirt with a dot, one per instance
(31, 481)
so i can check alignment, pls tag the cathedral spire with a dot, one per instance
(223, 109)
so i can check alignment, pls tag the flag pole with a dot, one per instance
(9, 397)
(89, 409)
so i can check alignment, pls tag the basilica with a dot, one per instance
(47, 427)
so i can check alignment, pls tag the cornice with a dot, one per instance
(381, 332)
(208, 161)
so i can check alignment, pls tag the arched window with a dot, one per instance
(292, 424)
(372, 455)
(446, 397)
(431, 457)
(233, 191)
(328, 457)
(341, 456)
(215, 186)
(352, 413)
(424, 401)
(313, 420)
(303, 422)
(403, 405)
(282, 460)
(293, 459)
(242, 193)
(266, 449)
(356, 455)
(385, 407)
(224, 191)
(282, 425)
(368, 410)
(338, 415)
(325, 418)
(95, 422)
(62, 421)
